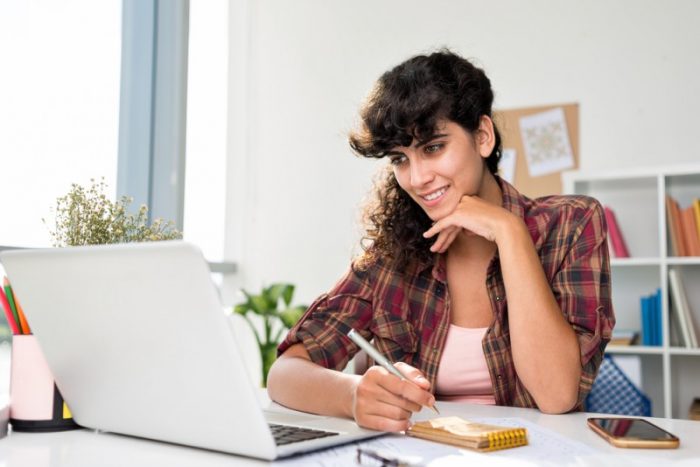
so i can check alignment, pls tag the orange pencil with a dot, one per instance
(24, 326)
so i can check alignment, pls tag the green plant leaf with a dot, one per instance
(259, 304)
(290, 316)
(241, 308)
(287, 294)
(275, 292)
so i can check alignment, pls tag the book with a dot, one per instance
(677, 222)
(619, 246)
(656, 317)
(463, 433)
(694, 411)
(673, 233)
(681, 308)
(690, 232)
(623, 337)
(646, 328)
(651, 318)
(696, 208)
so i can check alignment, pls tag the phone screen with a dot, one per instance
(636, 428)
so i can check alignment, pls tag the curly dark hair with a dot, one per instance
(407, 103)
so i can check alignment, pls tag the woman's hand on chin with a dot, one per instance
(472, 215)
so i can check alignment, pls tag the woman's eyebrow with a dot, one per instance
(432, 138)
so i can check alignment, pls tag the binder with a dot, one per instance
(463, 433)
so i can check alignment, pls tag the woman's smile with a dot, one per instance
(432, 198)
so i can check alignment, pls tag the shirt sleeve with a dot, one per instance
(582, 289)
(324, 326)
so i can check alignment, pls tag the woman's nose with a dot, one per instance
(420, 173)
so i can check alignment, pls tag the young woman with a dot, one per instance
(477, 292)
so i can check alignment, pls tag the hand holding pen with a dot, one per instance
(385, 401)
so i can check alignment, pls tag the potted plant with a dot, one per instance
(85, 216)
(273, 307)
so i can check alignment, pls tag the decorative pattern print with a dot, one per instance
(546, 142)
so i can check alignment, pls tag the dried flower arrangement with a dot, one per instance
(85, 216)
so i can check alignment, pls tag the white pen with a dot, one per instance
(379, 358)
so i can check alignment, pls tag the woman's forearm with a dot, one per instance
(300, 384)
(545, 348)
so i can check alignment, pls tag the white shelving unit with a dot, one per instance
(670, 375)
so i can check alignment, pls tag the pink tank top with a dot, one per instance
(463, 374)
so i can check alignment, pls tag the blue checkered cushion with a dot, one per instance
(614, 393)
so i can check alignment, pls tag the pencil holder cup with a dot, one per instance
(36, 405)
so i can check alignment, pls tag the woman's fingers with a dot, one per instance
(376, 422)
(413, 374)
(445, 239)
(385, 402)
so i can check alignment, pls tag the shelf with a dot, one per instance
(683, 351)
(652, 261)
(634, 350)
(637, 196)
(615, 262)
(683, 260)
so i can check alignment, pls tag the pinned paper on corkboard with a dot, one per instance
(538, 144)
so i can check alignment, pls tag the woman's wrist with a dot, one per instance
(508, 228)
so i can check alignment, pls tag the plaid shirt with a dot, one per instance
(407, 312)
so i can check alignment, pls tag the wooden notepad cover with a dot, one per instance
(463, 433)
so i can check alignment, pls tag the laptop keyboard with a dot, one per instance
(286, 434)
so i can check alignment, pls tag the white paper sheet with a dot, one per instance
(546, 142)
(506, 167)
(545, 448)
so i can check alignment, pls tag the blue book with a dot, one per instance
(659, 323)
(645, 321)
(655, 321)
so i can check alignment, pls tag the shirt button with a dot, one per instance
(439, 289)
(498, 298)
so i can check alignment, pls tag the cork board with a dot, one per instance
(508, 123)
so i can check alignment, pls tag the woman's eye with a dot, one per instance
(432, 148)
(398, 160)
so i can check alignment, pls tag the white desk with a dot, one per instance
(93, 449)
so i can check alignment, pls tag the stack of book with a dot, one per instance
(694, 412)
(683, 227)
(681, 314)
(615, 238)
(623, 337)
(651, 319)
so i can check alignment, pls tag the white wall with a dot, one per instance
(300, 69)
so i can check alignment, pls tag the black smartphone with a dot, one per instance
(633, 433)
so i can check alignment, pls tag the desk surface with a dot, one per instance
(95, 449)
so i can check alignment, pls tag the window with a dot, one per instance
(207, 82)
(60, 107)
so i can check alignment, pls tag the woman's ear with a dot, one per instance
(485, 136)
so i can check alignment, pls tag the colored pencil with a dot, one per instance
(10, 298)
(8, 313)
(23, 324)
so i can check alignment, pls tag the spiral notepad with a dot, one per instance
(463, 433)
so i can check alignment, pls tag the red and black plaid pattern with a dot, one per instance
(406, 312)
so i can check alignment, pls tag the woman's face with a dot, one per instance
(438, 172)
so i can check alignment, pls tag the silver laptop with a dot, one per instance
(139, 344)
